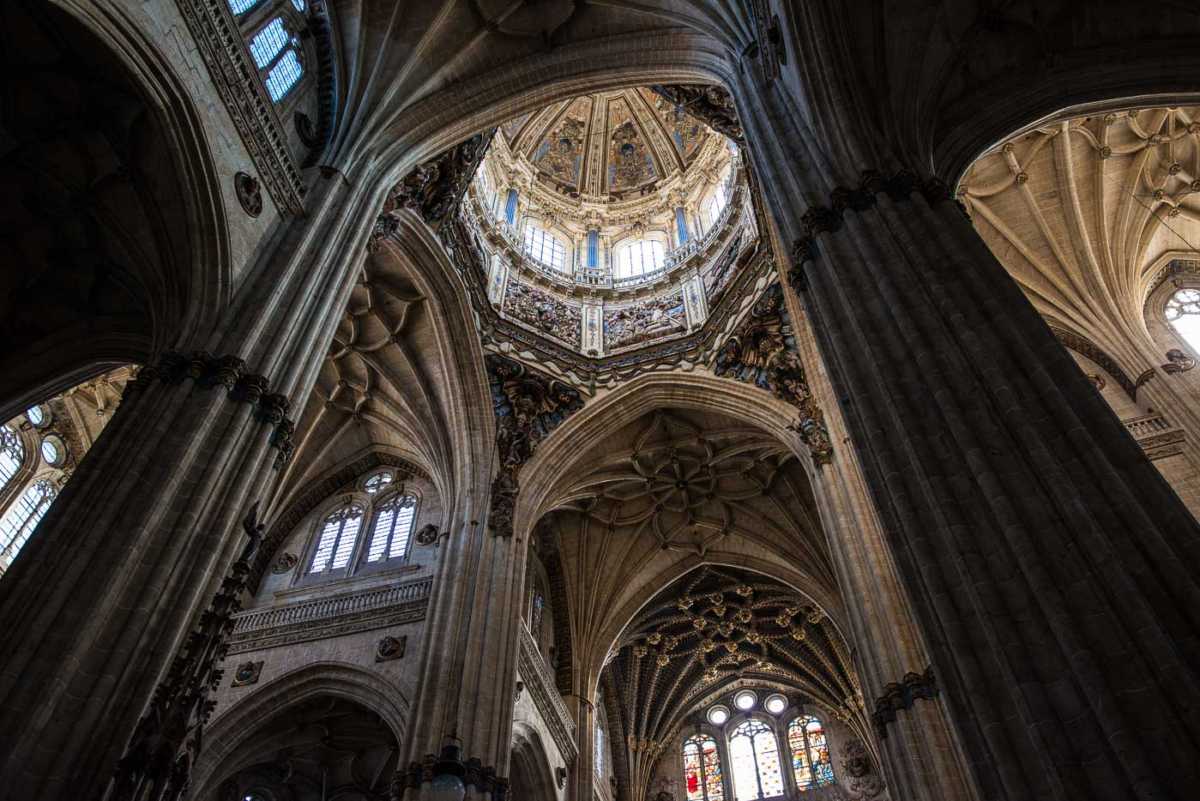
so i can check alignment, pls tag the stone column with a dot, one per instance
(97, 603)
(1050, 567)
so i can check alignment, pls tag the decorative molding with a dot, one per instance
(544, 693)
(1085, 347)
(428, 534)
(284, 563)
(899, 186)
(247, 673)
(220, 44)
(156, 765)
(1178, 362)
(207, 372)
(762, 352)
(902, 695)
(528, 406)
(248, 194)
(334, 616)
(1156, 436)
(390, 648)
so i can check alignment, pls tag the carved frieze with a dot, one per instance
(543, 311)
(647, 321)
(762, 352)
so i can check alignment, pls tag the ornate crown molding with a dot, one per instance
(220, 44)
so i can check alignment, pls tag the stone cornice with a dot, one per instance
(549, 703)
(220, 44)
(902, 695)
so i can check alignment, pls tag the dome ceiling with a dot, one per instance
(610, 143)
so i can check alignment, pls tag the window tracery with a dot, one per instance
(754, 761)
(810, 753)
(702, 769)
(1183, 313)
(601, 744)
(12, 455)
(336, 542)
(23, 516)
(392, 529)
(275, 47)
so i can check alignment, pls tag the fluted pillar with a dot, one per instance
(1052, 568)
(98, 601)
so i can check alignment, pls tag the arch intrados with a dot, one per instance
(983, 139)
(530, 754)
(227, 734)
(551, 468)
(437, 122)
(611, 634)
(470, 399)
(210, 279)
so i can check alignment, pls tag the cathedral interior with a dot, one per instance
(725, 400)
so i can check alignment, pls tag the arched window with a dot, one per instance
(12, 455)
(242, 6)
(24, 515)
(276, 52)
(638, 258)
(336, 541)
(1183, 313)
(754, 761)
(810, 753)
(537, 606)
(392, 529)
(601, 750)
(543, 246)
(717, 201)
(702, 769)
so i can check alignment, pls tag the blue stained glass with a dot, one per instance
(242, 6)
(284, 75)
(299, 5)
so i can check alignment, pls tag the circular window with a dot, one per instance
(745, 700)
(377, 482)
(53, 451)
(718, 715)
(36, 415)
(776, 704)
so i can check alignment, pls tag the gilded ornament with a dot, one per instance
(707, 644)
(798, 633)
(745, 616)
(663, 660)
(654, 639)
(815, 616)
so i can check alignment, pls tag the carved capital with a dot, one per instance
(901, 695)
(249, 388)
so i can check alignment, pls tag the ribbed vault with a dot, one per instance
(1083, 212)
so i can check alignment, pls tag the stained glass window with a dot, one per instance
(1183, 313)
(536, 607)
(23, 516)
(336, 542)
(12, 454)
(754, 759)
(601, 736)
(393, 526)
(35, 415)
(702, 769)
(810, 753)
(284, 75)
(377, 482)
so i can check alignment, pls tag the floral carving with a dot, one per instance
(762, 352)
(864, 781)
(528, 406)
(390, 648)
